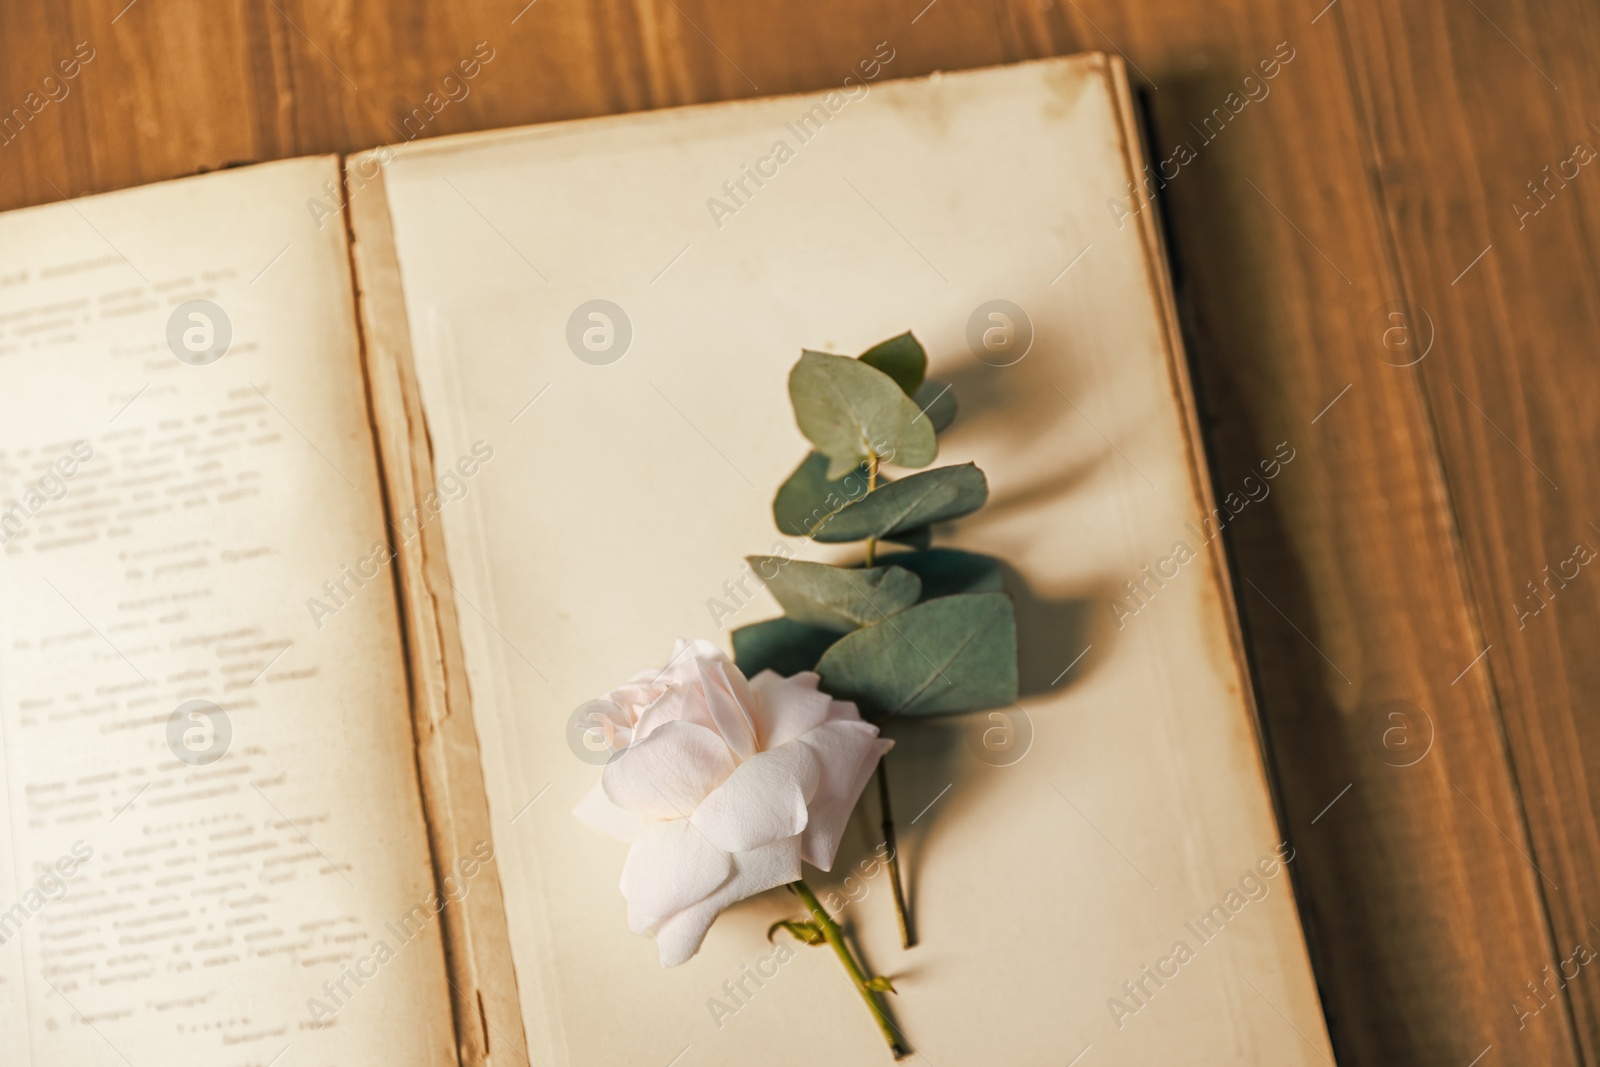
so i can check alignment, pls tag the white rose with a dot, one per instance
(722, 786)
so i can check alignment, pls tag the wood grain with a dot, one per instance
(1388, 153)
(1511, 391)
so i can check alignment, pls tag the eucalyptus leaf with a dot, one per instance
(901, 358)
(808, 498)
(913, 501)
(953, 654)
(937, 403)
(836, 598)
(921, 537)
(948, 571)
(781, 645)
(852, 411)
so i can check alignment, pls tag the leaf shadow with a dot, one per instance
(1055, 639)
(1000, 407)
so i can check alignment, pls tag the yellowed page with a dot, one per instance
(235, 872)
(483, 987)
(1054, 867)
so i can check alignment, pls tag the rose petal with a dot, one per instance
(597, 812)
(676, 703)
(683, 667)
(679, 936)
(843, 711)
(763, 801)
(672, 692)
(701, 649)
(669, 868)
(726, 703)
(666, 775)
(606, 725)
(785, 708)
(634, 697)
(848, 753)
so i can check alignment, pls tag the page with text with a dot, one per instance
(211, 843)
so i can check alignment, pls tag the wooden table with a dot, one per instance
(1385, 257)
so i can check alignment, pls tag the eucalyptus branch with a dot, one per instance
(900, 914)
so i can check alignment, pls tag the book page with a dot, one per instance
(481, 972)
(1059, 853)
(211, 844)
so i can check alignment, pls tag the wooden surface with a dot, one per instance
(1440, 799)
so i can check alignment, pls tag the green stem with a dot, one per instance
(894, 852)
(883, 774)
(835, 937)
(872, 484)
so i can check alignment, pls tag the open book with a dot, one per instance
(327, 498)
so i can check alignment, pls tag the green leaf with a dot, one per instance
(781, 645)
(937, 404)
(913, 501)
(808, 498)
(921, 537)
(957, 653)
(902, 359)
(851, 411)
(948, 571)
(836, 598)
(880, 984)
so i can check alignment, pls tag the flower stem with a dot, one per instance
(835, 937)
